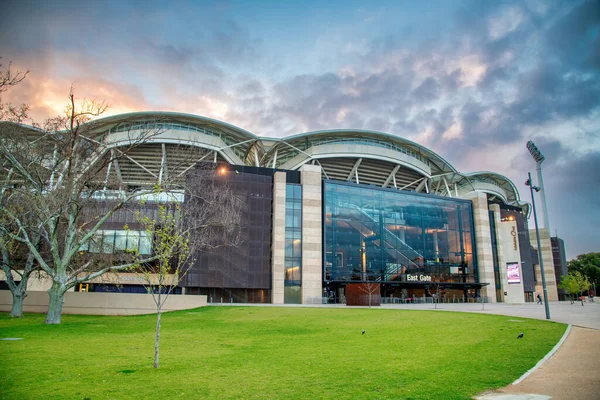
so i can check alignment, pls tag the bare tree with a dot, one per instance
(10, 78)
(17, 262)
(370, 289)
(57, 170)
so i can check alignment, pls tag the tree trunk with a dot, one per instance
(156, 339)
(19, 293)
(17, 306)
(57, 298)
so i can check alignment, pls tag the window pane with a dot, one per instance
(145, 244)
(120, 240)
(133, 240)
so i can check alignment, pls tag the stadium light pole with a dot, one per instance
(539, 159)
(537, 234)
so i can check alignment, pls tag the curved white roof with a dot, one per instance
(362, 156)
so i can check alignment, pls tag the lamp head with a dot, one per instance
(535, 152)
(529, 183)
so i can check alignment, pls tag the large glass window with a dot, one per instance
(392, 236)
(293, 243)
(113, 241)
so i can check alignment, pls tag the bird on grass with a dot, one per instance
(520, 335)
(363, 331)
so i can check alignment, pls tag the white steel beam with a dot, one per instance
(391, 175)
(354, 171)
(256, 161)
(107, 174)
(117, 167)
(419, 187)
(196, 162)
(274, 159)
(163, 165)
(447, 187)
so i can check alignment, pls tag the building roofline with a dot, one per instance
(395, 138)
(170, 114)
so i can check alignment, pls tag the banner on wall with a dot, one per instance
(513, 272)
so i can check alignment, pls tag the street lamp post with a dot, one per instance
(537, 234)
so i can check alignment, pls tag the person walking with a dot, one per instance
(539, 301)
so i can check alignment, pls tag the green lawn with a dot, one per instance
(270, 352)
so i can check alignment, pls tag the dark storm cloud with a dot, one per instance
(572, 185)
(462, 78)
(547, 85)
(427, 91)
(572, 37)
(554, 91)
(334, 100)
(573, 190)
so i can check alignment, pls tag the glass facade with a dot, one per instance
(396, 237)
(497, 278)
(293, 244)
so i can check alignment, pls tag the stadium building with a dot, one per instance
(329, 211)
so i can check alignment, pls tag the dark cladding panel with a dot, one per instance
(528, 253)
(248, 265)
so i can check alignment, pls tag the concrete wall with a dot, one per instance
(546, 256)
(103, 303)
(39, 281)
(483, 238)
(508, 243)
(312, 236)
(278, 239)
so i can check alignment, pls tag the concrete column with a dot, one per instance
(483, 240)
(312, 236)
(546, 255)
(278, 238)
(509, 247)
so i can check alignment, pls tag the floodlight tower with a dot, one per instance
(537, 235)
(539, 159)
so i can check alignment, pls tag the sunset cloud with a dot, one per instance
(472, 80)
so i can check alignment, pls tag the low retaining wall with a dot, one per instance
(103, 303)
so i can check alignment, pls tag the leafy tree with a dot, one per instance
(575, 283)
(588, 265)
(208, 218)
(173, 253)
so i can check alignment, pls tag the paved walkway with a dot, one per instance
(587, 316)
(571, 373)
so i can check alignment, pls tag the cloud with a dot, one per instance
(472, 80)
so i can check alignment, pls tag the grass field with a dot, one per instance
(270, 352)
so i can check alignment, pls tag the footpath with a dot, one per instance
(573, 371)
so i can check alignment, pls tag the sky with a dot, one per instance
(471, 80)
